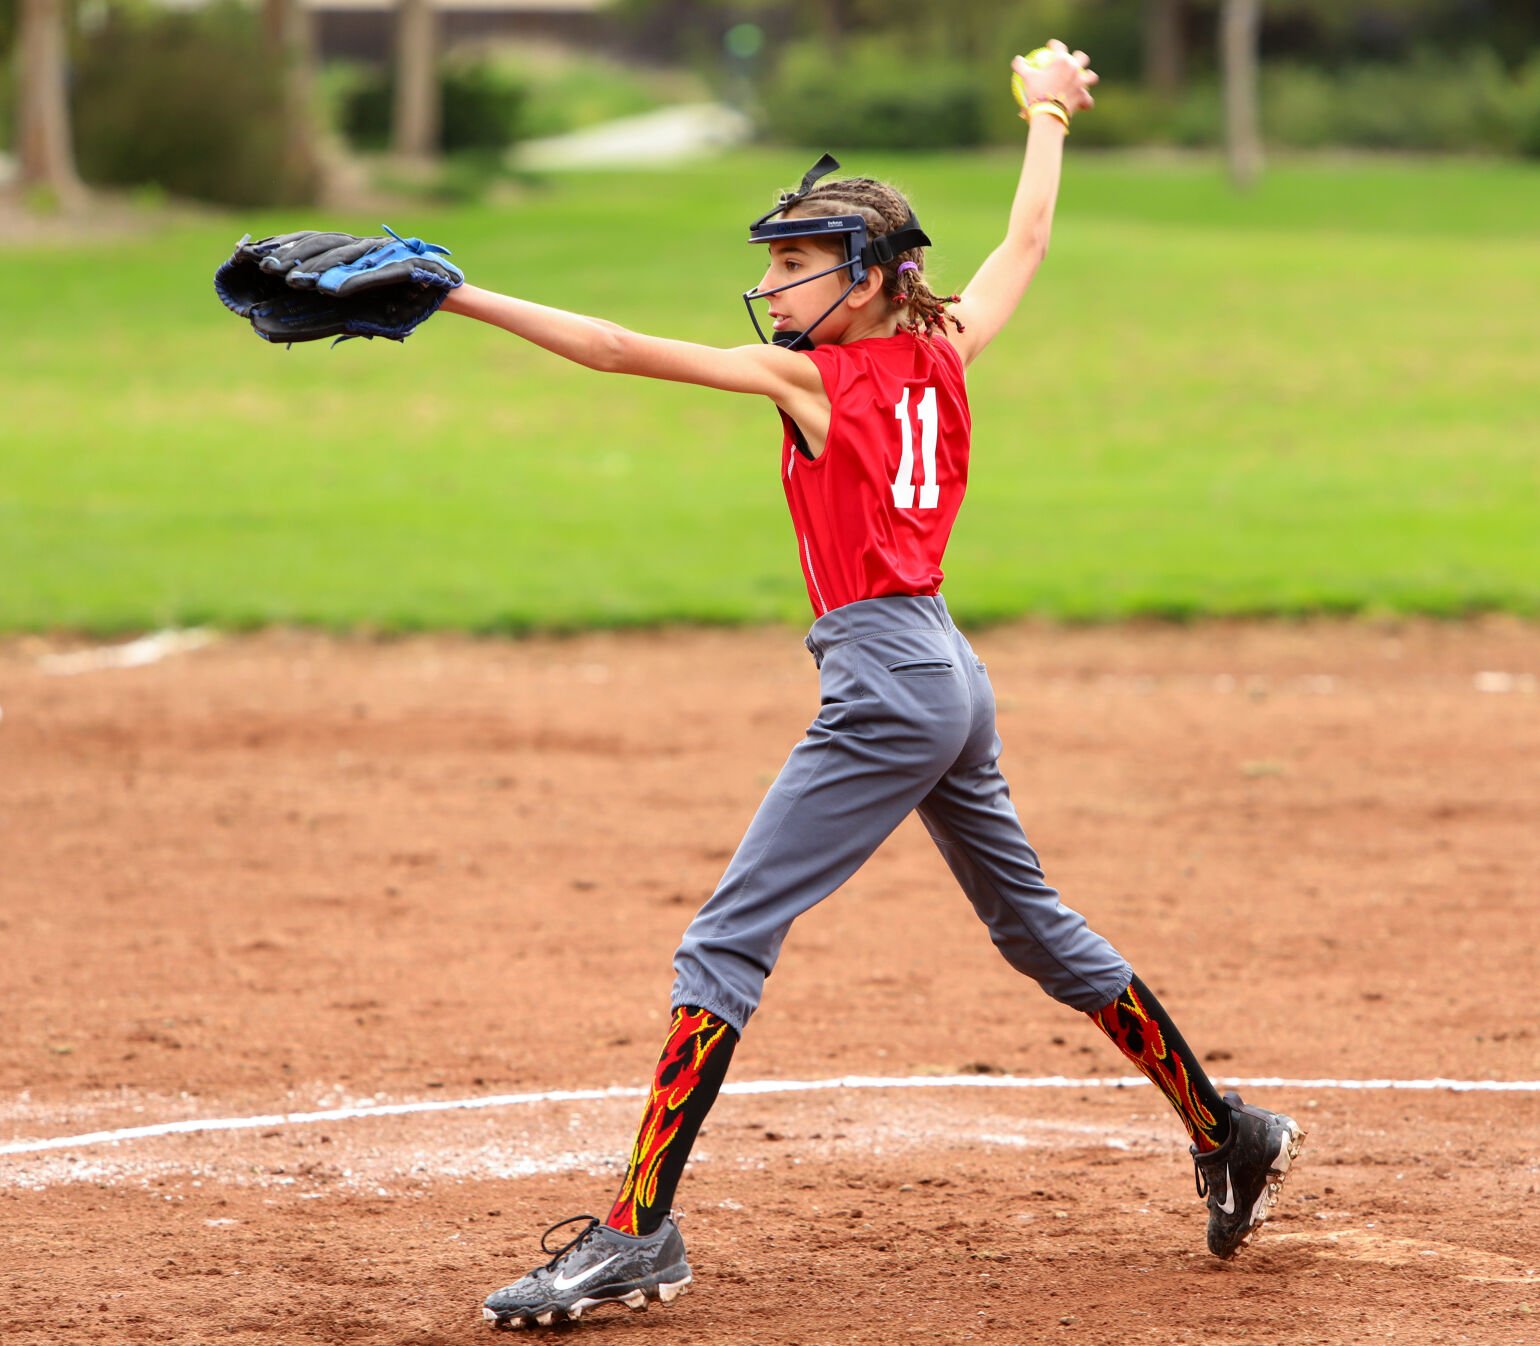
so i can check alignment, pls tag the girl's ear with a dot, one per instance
(869, 288)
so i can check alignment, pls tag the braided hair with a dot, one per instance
(884, 209)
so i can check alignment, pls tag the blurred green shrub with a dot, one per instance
(1527, 103)
(1197, 119)
(481, 105)
(870, 95)
(1299, 107)
(175, 99)
(1124, 115)
(1433, 102)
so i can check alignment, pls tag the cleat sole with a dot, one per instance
(669, 1292)
(664, 1292)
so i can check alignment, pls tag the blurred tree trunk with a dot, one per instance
(415, 118)
(290, 31)
(827, 19)
(1165, 54)
(1240, 23)
(45, 154)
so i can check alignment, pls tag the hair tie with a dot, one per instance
(907, 266)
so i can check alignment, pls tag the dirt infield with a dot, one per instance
(284, 874)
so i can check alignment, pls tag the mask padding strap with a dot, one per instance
(825, 165)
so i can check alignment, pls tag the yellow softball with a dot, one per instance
(1040, 59)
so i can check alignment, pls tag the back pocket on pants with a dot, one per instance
(909, 668)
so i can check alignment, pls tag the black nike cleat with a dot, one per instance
(599, 1266)
(1241, 1178)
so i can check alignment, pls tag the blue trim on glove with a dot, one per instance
(335, 277)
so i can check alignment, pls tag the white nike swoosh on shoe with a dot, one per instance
(1228, 1204)
(560, 1282)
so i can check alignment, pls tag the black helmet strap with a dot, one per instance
(885, 247)
(825, 165)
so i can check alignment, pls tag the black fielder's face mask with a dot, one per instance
(849, 230)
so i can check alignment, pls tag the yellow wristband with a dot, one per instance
(1052, 107)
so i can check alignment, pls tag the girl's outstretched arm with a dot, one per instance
(788, 379)
(992, 295)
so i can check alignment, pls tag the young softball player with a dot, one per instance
(866, 368)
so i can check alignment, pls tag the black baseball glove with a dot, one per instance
(308, 286)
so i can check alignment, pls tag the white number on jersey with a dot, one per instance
(903, 483)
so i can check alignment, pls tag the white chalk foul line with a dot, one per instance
(139, 653)
(197, 1125)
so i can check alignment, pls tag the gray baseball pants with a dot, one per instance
(907, 722)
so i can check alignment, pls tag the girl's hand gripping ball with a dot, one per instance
(1053, 72)
(1040, 59)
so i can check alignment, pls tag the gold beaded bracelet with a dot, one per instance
(1052, 106)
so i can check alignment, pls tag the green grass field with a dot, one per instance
(1323, 397)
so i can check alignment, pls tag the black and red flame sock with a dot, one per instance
(690, 1072)
(1142, 1030)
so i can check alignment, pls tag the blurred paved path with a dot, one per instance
(668, 136)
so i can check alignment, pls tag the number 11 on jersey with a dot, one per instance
(903, 483)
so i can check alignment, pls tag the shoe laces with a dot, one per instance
(557, 1254)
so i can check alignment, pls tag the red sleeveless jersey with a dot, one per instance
(874, 510)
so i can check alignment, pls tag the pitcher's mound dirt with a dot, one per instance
(286, 873)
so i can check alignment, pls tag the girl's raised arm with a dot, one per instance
(992, 295)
